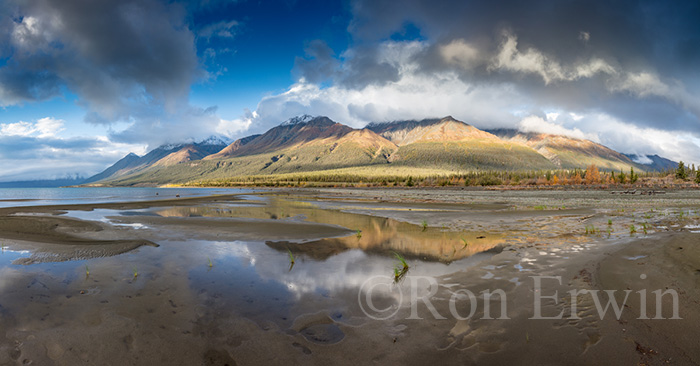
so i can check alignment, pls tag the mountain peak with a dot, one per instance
(298, 120)
(214, 140)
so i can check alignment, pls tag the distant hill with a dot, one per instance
(120, 167)
(654, 162)
(163, 155)
(47, 183)
(569, 153)
(312, 144)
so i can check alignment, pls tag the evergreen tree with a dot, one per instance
(621, 178)
(681, 172)
(633, 177)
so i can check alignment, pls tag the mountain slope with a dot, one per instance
(163, 155)
(127, 162)
(191, 152)
(295, 132)
(429, 130)
(569, 153)
(455, 145)
(232, 148)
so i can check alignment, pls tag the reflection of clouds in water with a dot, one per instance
(100, 214)
(343, 271)
(8, 276)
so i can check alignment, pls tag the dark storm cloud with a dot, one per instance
(356, 69)
(319, 64)
(117, 56)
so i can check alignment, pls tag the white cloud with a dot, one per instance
(36, 150)
(626, 137)
(413, 96)
(584, 36)
(552, 116)
(649, 84)
(461, 54)
(533, 61)
(223, 29)
(233, 127)
(539, 125)
(44, 127)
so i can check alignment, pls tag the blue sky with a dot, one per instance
(82, 82)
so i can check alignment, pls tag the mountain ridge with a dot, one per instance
(317, 143)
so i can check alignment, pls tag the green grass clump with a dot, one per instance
(540, 207)
(632, 229)
(358, 234)
(609, 222)
(466, 243)
(402, 260)
(136, 272)
(591, 230)
(210, 263)
(401, 270)
(291, 257)
(87, 271)
(424, 224)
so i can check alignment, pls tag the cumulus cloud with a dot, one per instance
(44, 127)
(532, 61)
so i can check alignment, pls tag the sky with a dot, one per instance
(85, 82)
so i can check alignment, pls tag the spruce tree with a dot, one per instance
(681, 172)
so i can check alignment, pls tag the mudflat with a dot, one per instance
(308, 276)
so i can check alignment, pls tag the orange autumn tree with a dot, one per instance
(592, 175)
(576, 180)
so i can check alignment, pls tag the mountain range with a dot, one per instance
(313, 144)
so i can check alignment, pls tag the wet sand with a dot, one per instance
(207, 280)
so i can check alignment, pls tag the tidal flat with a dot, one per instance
(292, 276)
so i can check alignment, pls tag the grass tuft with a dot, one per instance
(591, 230)
(291, 256)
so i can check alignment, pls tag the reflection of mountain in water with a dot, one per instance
(377, 235)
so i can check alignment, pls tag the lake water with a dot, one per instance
(13, 197)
